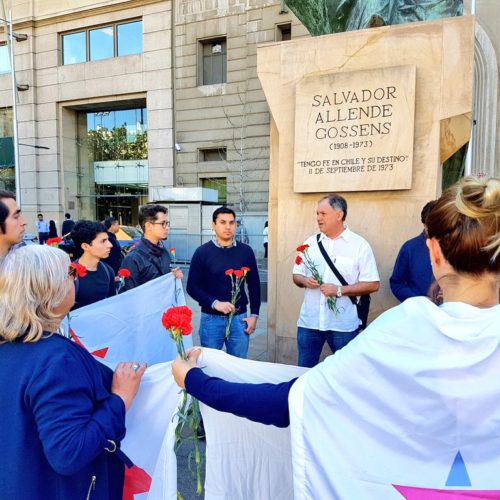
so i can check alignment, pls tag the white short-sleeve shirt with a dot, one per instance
(353, 257)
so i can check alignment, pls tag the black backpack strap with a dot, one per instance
(331, 265)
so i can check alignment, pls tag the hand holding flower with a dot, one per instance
(328, 290)
(180, 367)
(224, 307)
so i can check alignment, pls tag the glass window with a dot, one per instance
(101, 43)
(4, 59)
(74, 48)
(7, 175)
(129, 38)
(213, 154)
(213, 61)
(219, 184)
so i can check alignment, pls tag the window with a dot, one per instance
(129, 38)
(213, 61)
(4, 59)
(7, 175)
(102, 43)
(283, 32)
(212, 154)
(74, 48)
(219, 184)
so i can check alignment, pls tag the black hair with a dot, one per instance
(426, 210)
(109, 221)
(67, 215)
(148, 213)
(337, 202)
(222, 210)
(4, 211)
(86, 231)
(40, 215)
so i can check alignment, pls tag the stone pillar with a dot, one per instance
(441, 54)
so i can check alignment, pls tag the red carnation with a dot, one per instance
(123, 273)
(245, 270)
(53, 241)
(238, 273)
(81, 271)
(298, 260)
(178, 319)
(302, 248)
(229, 272)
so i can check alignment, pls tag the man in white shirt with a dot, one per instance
(353, 257)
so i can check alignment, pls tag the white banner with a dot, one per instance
(127, 327)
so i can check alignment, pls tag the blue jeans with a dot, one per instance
(310, 343)
(213, 333)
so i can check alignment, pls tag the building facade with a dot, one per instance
(120, 102)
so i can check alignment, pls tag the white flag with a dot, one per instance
(127, 327)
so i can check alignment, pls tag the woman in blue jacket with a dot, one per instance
(63, 413)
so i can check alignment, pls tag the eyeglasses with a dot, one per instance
(163, 224)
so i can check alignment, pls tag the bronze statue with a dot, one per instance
(322, 17)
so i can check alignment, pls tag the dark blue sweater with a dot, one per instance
(57, 416)
(412, 274)
(208, 282)
(264, 403)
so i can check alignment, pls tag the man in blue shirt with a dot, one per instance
(42, 227)
(412, 274)
(211, 287)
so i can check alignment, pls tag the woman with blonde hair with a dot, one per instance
(63, 413)
(414, 399)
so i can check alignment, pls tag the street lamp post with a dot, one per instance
(11, 36)
(17, 165)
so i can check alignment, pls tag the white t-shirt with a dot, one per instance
(353, 257)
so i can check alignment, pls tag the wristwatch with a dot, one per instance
(339, 292)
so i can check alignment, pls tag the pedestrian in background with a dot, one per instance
(265, 239)
(67, 225)
(52, 229)
(42, 227)
(115, 256)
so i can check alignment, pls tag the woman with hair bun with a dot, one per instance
(415, 394)
(63, 413)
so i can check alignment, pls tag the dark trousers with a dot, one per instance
(42, 238)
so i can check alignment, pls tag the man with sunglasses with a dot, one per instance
(12, 223)
(150, 259)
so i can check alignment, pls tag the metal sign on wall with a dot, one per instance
(354, 130)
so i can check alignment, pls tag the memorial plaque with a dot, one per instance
(354, 131)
